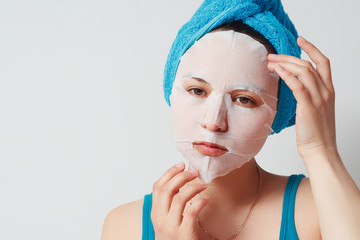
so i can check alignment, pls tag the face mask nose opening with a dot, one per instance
(215, 119)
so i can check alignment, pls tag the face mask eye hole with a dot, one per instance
(244, 101)
(197, 92)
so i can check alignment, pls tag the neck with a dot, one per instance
(235, 190)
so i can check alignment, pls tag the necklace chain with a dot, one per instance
(207, 234)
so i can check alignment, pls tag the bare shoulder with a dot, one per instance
(124, 222)
(306, 218)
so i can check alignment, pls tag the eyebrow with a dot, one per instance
(241, 86)
(199, 79)
(251, 87)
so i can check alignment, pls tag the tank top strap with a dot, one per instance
(288, 229)
(147, 226)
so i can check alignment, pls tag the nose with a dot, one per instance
(214, 127)
(215, 117)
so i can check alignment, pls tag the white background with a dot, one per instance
(84, 126)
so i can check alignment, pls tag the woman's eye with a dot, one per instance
(197, 91)
(244, 100)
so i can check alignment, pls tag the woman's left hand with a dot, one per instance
(315, 96)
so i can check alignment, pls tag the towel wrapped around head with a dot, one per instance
(265, 16)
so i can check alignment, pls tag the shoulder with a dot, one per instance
(306, 218)
(124, 222)
(305, 214)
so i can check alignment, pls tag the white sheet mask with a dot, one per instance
(230, 63)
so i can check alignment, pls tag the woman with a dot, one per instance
(222, 82)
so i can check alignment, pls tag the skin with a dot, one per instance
(327, 204)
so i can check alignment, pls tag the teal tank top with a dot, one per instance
(287, 230)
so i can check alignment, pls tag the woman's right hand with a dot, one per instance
(172, 218)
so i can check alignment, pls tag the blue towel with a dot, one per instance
(266, 17)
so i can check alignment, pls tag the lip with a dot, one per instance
(210, 149)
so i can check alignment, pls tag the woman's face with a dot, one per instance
(223, 102)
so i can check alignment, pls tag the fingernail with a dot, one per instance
(179, 165)
(302, 38)
(280, 68)
(271, 64)
(272, 55)
(193, 171)
(202, 184)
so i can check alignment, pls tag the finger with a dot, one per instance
(182, 198)
(169, 174)
(306, 75)
(192, 212)
(158, 185)
(168, 190)
(321, 61)
(296, 86)
(277, 58)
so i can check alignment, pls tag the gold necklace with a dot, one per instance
(207, 234)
